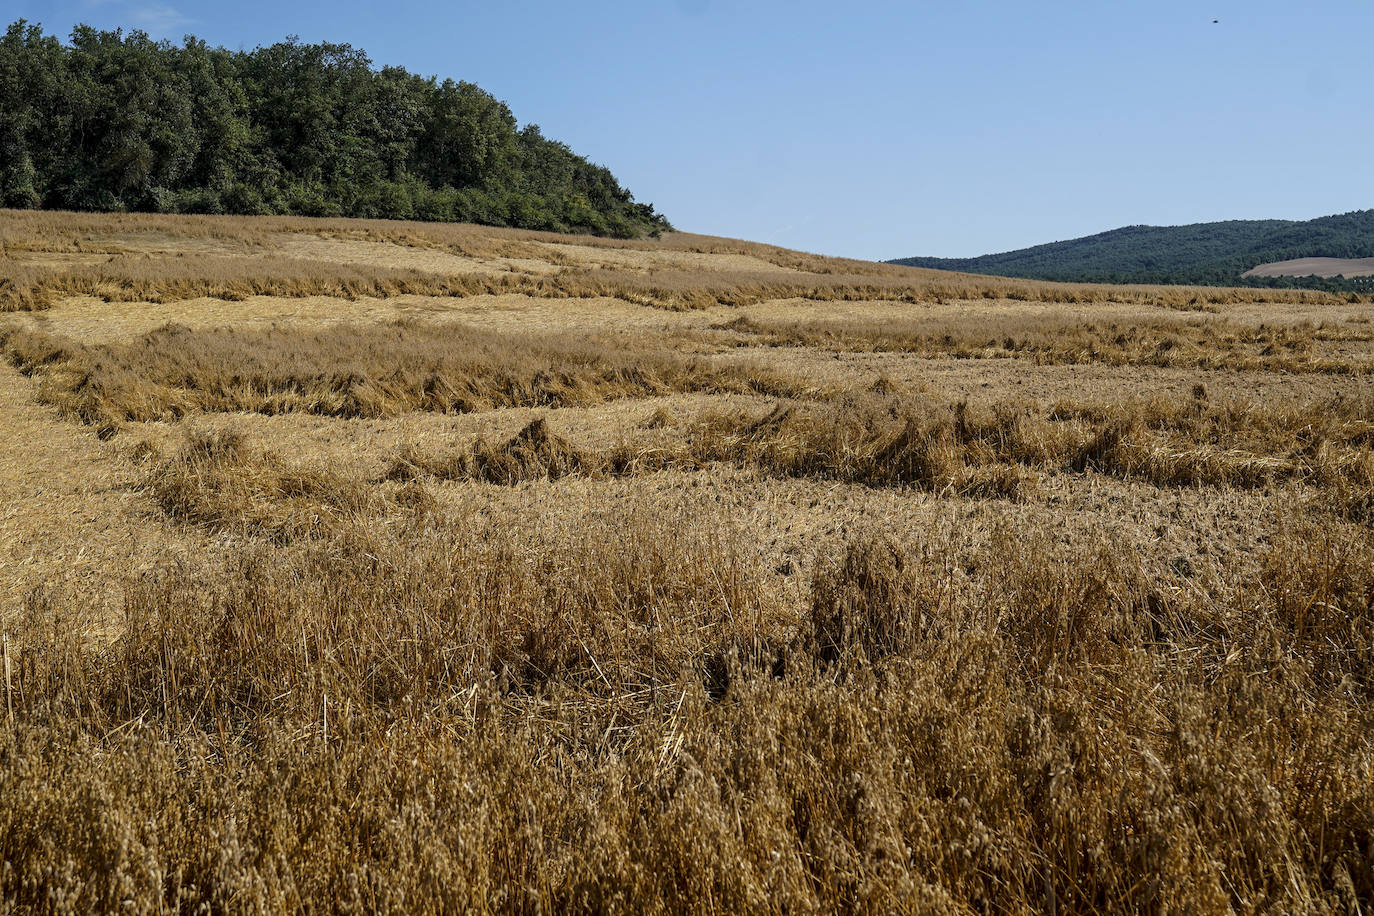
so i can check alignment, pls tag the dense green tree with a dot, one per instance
(117, 121)
(34, 113)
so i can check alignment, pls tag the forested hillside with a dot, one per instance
(1202, 253)
(117, 121)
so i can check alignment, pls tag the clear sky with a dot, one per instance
(883, 130)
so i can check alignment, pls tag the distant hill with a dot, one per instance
(1212, 254)
(116, 121)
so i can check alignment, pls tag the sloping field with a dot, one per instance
(1315, 267)
(401, 567)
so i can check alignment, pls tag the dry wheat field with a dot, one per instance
(396, 567)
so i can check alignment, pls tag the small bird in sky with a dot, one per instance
(1215, 21)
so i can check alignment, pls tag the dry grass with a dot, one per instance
(22, 290)
(173, 277)
(875, 446)
(216, 480)
(618, 716)
(533, 453)
(888, 437)
(361, 371)
(171, 258)
(1195, 344)
(114, 233)
(141, 278)
(866, 644)
(693, 289)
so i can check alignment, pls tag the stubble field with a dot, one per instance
(400, 567)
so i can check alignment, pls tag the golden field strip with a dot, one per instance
(402, 567)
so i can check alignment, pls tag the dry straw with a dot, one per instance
(598, 692)
(616, 713)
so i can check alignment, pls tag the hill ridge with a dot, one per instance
(1216, 253)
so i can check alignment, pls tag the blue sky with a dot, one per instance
(882, 130)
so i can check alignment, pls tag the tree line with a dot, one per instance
(116, 121)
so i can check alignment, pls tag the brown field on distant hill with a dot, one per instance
(353, 565)
(1315, 267)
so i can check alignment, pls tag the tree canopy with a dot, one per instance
(117, 121)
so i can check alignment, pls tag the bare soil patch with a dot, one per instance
(1315, 267)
